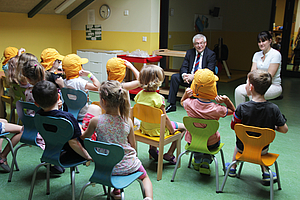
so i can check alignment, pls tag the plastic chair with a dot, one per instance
(110, 155)
(29, 133)
(3, 135)
(155, 115)
(19, 93)
(56, 132)
(5, 99)
(252, 151)
(200, 137)
(75, 100)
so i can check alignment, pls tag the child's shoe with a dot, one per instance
(266, 178)
(195, 165)
(154, 153)
(204, 168)
(171, 159)
(232, 172)
(115, 194)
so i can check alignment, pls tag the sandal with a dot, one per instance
(4, 166)
(204, 168)
(169, 158)
(154, 154)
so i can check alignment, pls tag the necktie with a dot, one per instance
(197, 63)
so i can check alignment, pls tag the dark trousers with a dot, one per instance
(176, 80)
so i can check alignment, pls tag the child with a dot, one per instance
(8, 53)
(46, 96)
(12, 128)
(204, 89)
(51, 60)
(257, 112)
(115, 126)
(151, 77)
(21, 79)
(72, 66)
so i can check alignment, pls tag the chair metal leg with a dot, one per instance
(48, 179)
(217, 173)
(77, 170)
(176, 166)
(108, 193)
(13, 164)
(271, 184)
(122, 194)
(142, 187)
(278, 177)
(223, 161)
(83, 189)
(226, 176)
(12, 153)
(73, 182)
(33, 179)
(240, 170)
(190, 161)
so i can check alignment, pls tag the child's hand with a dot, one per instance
(189, 92)
(221, 98)
(22, 50)
(59, 103)
(128, 64)
(84, 73)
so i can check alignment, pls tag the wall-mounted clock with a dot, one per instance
(104, 11)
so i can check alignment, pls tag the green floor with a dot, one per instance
(189, 184)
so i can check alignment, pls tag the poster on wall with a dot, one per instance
(207, 22)
(93, 32)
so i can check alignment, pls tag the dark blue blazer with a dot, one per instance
(208, 60)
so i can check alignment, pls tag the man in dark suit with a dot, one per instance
(199, 57)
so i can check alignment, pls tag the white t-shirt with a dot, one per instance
(273, 56)
(78, 84)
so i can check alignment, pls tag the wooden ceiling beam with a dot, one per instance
(79, 8)
(37, 8)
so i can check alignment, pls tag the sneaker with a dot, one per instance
(204, 168)
(266, 178)
(195, 165)
(232, 171)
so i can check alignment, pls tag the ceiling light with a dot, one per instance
(61, 7)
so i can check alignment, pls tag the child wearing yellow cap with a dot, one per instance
(197, 103)
(9, 53)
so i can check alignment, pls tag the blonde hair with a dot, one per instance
(12, 66)
(24, 57)
(115, 97)
(151, 77)
(34, 71)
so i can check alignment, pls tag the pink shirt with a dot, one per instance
(204, 110)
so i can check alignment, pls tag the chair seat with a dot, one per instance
(120, 182)
(212, 152)
(140, 136)
(267, 159)
(3, 134)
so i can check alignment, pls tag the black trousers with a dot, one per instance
(176, 81)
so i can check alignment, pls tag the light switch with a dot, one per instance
(144, 39)
(126, 12)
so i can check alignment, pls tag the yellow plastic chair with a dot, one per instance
(253, 147)
(155, 115)
(200, 137)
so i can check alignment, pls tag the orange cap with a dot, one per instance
(204, 84)
(116, 69)
(8, 53)
(48, 57)
(71, 65)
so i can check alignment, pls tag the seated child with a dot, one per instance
(203, 88)
(12, 128)
(72, 66)
(46, 96)
(51, 60)
(258, 112)
(151, 77)
(116, 127)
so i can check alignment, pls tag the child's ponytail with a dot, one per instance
(124, 104)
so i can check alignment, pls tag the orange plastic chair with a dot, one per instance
(253, 147)
(156, 116)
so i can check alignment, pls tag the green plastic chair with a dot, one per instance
(200, 137)
(56, 132)
(105, 160)
(29, 133)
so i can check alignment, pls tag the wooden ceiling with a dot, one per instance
(33, 7)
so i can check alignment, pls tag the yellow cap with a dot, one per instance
(71, 65)
(116, 69)
(48, 57)
(8, 53)
(204, 84)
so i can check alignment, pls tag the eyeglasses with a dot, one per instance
(199, 43)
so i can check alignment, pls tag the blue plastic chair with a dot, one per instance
(200, 137)
(104, 164)
(74, 99)
(56, 132)
(3, 135)
(29, 133)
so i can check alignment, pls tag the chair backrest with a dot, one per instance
(150, 115)
(19, 93)
(75, 100)
(56, 131)
(30, 132)
(253, 145)
(200, 135)
(105, 156)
